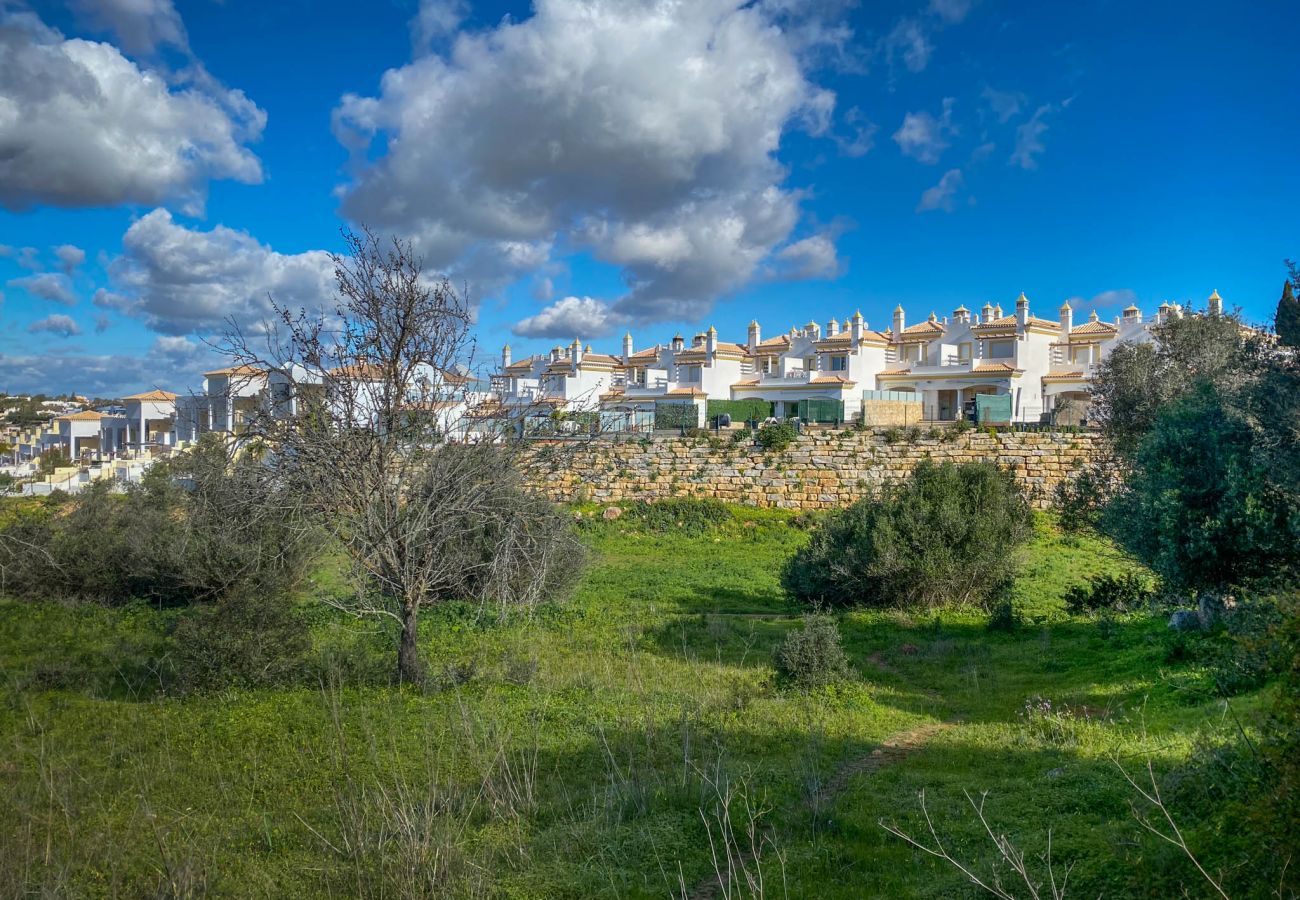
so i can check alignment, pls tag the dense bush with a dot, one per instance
(1079, 501)
(195, 530)
(241, 640)
(776, 436)
(812, 655)
(1199, 505)
(1110, 593)
(948, 534)
(678, 514)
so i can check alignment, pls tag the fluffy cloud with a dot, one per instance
(70, 257)
(141, 26)
(52, 286)
(812, 257)
(61, 325)
(1029, 138)
(581, 317)
(171, 363)
(925, 137)
(27, 257)
(642, 131)
(436, 19)
(942, 195)
(182, 280)
(81, 125)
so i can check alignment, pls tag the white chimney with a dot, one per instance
(755, 336)
(900, 320)
(986, 313)
(832, 328)
(555, 353)
(627, 347)
(575, 351)
(505, 357)
(711, 340)
(1215, 304)
(813, 330)
(1022, 311)
(1067, 319)
(855, 328)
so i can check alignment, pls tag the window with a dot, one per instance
(964, 351)
(810, 363)
(1081, 354)
(1002, 349)
(839, 363)
(690, 373)
(910, 353)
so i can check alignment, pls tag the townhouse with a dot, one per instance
(989, 364)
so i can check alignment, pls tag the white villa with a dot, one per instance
(1027, 369)
(1001, 367)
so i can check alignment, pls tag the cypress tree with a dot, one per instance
(1288, 317)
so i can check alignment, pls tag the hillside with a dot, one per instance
(588, 752)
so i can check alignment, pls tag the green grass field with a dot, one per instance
(592, 751)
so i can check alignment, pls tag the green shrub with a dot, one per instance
(1004, 616)
(678, 514)
(812, 655)
(1200, 506)
(1110, 593)
(776, 436)
(197, 529)
(742, 437)
(948, 534)
(1079, 500)
(239, 641)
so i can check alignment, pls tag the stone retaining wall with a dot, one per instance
(819, 471)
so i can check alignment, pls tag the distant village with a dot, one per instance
(990, 366)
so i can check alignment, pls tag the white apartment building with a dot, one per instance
(1029, 368)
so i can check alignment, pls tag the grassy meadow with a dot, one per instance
(631, 742)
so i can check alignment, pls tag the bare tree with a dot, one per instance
(368, 414)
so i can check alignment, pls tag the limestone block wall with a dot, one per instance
(819, 471)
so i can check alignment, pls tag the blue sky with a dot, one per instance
(591, 167)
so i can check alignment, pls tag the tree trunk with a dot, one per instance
(410, 668)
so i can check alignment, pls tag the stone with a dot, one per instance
(612, 512)
(1185, 620)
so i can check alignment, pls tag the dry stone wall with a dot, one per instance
(819, 471)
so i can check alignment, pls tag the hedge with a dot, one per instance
(741, 410)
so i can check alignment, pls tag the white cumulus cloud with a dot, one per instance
(52, 286)
(70, 256)
(141, 26)
(63, 326)
(182, 280)
(580, 317)
(81, 125)
(645, 132)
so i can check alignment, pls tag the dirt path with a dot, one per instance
(892, 750)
